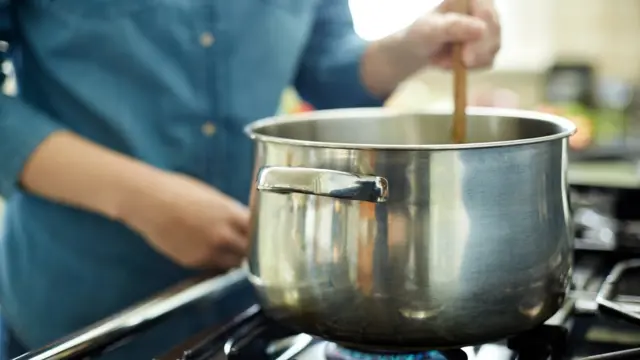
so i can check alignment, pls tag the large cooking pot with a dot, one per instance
(371, 229)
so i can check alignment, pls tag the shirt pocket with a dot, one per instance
(94, 9)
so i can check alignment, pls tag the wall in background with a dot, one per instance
(605, 32)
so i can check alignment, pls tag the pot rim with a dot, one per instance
(568, 128)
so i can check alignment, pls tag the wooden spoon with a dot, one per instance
(459, 134)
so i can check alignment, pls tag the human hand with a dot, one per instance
(431, 36)
(190, 222)
(428, 42)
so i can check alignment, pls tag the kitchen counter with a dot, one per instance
(620, 174)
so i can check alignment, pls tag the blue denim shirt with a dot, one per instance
(171, 82)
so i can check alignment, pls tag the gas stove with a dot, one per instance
(600, 319)
(597, 322)
(253, 336)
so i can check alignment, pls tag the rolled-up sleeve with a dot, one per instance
(22, 129)
(329, 73)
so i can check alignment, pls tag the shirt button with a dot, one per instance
(207, 39)
(208, 129)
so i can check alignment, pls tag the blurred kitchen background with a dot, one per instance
(578, 58)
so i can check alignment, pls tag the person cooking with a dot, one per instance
(123, 160)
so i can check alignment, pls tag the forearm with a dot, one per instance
(69, 169)
(385, 64)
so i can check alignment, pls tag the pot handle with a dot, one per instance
(321, 182)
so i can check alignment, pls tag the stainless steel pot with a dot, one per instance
(371, 229)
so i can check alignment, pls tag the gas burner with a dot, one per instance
(335, 352)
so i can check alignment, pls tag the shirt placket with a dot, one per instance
(213, 128)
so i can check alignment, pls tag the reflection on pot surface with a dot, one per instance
(372, 230)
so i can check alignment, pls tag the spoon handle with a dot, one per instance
(459, 83)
